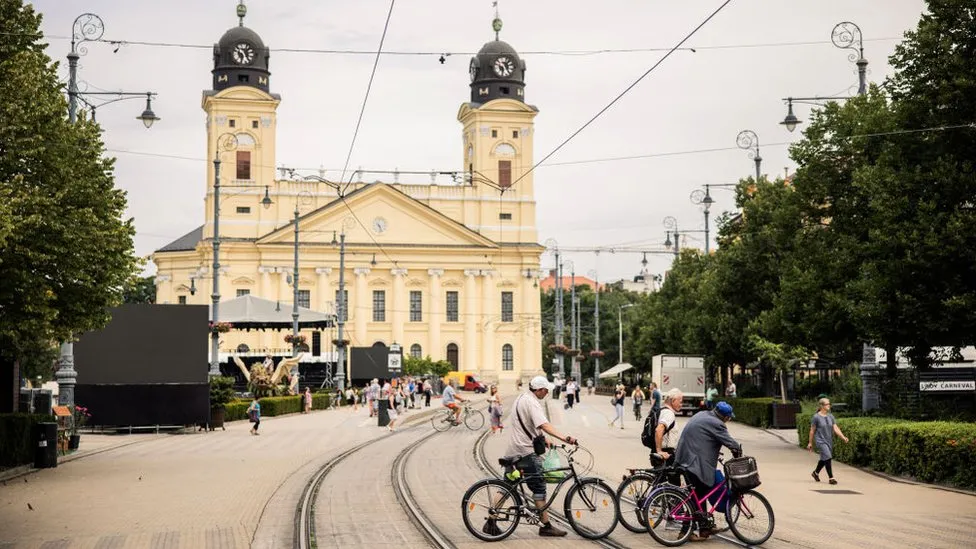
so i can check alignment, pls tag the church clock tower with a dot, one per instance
(241, 105)
(497, 140)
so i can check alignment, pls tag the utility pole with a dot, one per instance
(574, 367)
(341, 367)
(559, 314)
(596, 334)
(294, 305)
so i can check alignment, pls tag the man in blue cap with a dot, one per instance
(701, 441)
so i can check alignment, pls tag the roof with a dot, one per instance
(236, 34)
(249, 311)
(497, 47)
(184, 243)
(549, 282)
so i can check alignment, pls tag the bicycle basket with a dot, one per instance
(742, 473)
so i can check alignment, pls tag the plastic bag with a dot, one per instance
(549, 463)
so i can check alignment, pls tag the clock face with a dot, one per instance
(243, 53)
(379, 225)
(503, 66)
(473, 70)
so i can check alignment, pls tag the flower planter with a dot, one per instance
(217, 418)
(784, 415)
(73, 442)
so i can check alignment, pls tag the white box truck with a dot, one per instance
(684, 372)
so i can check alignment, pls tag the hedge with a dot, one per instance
(15, 437)
(753, 411)
(928, 451)
(320, 401)
(275, 406)
(236, 410)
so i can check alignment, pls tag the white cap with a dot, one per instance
(540, 382)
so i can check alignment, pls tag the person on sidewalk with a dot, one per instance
(254, 415)
(637, 397)
(711, 395)
(823, 426)
(495, 409)
(701, 441)
(307, 399)
(619, 394)
(666, 419)
(655, 396)
(531, 423)
(570, 393)
(730, 390)
(428, 390)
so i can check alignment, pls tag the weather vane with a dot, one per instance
(496, 23)
(241, 12)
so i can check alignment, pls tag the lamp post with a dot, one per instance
(560, 358)
(746, 140)
(846, 36)
(574, 341)
(620, 332)
(704, 199)
(671, 224)
(225, 142)
(85, 28)
(596, 326)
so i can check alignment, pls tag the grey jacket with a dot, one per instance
(701, 440)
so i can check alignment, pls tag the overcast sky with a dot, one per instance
(693, 101)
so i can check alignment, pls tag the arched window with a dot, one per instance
(508, 358)
(416, 351)
(452, 355)
(504, 149)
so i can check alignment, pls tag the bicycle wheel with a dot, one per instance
(669, 516)
(630, 501)
(591, 508)
(442, 422)
(490, 509)
(474, 420)
(750, 517)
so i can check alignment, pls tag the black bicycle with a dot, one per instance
(492, 508)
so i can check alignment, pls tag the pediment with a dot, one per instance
(452, 283)
(377, 282)
(386, 217)
(182, 288)
(507, 284)
(414, 282)
(242, 280)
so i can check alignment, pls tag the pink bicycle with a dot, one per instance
(672, 513)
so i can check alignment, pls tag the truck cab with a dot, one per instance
(466, 381)
(683, 372)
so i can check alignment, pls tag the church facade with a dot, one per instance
(448, 271)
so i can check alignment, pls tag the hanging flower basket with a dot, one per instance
(572, 352)
(298, 340)
(340, 342)
(559, 349)
(597, 354)
(221, 327)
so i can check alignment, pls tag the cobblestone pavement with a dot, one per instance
(863, 510)
(208, 490)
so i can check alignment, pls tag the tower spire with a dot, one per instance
(241, 12)
(496, 23)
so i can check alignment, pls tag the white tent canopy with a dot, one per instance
(249, 311)
(616, 370)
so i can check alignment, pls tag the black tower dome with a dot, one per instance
(240, 58)
(497, 71)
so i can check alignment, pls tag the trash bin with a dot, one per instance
(45, 440)
(383, 414)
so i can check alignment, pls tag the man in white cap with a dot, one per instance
(530, 422)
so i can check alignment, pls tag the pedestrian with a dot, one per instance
(390, 395)
(350, 396)
(655, 398)
(589, 386)
(730, 390)
(254, 415)
(495, 409)
(411, 388)
(578, 385)
(428, 390)
(618, 404)
(637, 397)
(823, 426)
(570, 393)
(307, 397)
(710, 396)
(374, 397)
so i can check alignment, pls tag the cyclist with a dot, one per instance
(531, 422)
(448, 398)
(663, 436)
(701, 441)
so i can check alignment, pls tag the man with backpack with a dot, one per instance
(656, 434)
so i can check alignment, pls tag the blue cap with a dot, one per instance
(724, 408)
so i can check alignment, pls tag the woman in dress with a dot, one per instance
(823, 426)
(637, 396)
(495, 410)
(307, 399)
(618, 404)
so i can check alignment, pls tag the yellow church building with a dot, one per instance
(445, 270)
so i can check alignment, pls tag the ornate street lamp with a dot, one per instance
(748, 140)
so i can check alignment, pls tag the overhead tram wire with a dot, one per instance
(623, 93)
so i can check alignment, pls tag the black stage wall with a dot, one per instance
(366, 363)
(147, 367)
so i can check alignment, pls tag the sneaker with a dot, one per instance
(491, 528)
(815, 476)
(548, 530)
(833, 481)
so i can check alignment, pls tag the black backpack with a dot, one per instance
(650, 425)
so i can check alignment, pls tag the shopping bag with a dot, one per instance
(549, 463)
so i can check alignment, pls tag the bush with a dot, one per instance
(937, 451)
(236, 410)
(811, 387)
(753, 411)
(320, 401)
(15, 438)
(279, 406)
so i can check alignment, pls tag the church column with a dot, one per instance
(435, 318)
(322, 290)
(470, 312)
(488, 321)
(359, 312)
(265, 281)
(400, 305)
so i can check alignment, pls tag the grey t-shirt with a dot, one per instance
(823, 434)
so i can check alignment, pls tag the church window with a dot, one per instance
(504, 149)
(243, 164)
(514, 134)
(508, 309)
(452, 306)
(416, 306)
(182, 300)
(232, 122)
(416, 351)
(452, 355)
(241, 292)
(316, 343)
(504, 173)
(243, 78)
(305, 298)
(505, 90)
(243, 209)
(379, 306)
(494, 133)
(505, 216)
(508, 358)
(254, 124)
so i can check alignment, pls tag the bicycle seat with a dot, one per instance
(507, 462)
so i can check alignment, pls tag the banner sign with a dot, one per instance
(948, 380)
(948, 386)
(395, 359)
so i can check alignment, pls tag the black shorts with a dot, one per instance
(531, 467)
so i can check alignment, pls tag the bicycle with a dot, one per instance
(472, 419)
(672, 511)
(590, 505)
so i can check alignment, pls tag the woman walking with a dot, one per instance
(307, 400)
(254, 415)
(618, 404)
(495, 410)
(391, 399)
(638, 397)
(822, 429)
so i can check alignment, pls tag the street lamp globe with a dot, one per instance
(667, 243)
(791, 121)
(266, 201)
(148, 116)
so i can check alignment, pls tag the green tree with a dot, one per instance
(140, 289)
(425, 366)
(67, 252)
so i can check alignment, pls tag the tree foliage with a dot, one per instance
(425, 367)
(65, 251)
